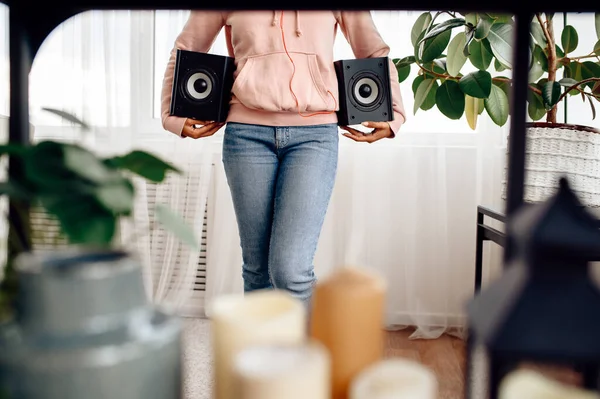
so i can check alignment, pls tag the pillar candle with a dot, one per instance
(394, 379)
(347, 317)
(530, 384)
(283, 372)
(241, 321)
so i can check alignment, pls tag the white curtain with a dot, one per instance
(404, 208)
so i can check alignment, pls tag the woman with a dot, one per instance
(280, 147)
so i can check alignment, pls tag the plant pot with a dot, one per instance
(84, 329)
(555, 150)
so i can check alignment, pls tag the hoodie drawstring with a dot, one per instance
(275, 22)
(298, 30)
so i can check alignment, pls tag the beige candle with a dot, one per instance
(394, 379)
(521, 384)
(347, 317)
(283, 372)
(241, 321)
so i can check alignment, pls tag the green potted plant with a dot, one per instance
(86, 195)
(81, 307)
(462, 65)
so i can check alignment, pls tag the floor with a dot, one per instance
(445, 356)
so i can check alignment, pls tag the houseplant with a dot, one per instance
(467, 74)
(79, 323)
(87, 195)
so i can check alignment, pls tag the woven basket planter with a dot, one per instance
(556, 150)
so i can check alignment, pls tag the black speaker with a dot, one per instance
(202, 86)
(364, 90)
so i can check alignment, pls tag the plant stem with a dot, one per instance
(576, 85)
(548, 29)
(449, 77)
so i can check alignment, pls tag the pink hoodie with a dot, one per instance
(262, 92)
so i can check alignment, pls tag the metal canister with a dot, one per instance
(85, 329)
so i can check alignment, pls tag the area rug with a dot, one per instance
(197, 361)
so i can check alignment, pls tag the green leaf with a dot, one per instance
(445, 26)
(596, 89)
(13, 149)
(551, 93)
(476, 84)
(540, 57)
(597, 23)
(473, 107)
(69, 117)
(498, 66)
(567, 82)
(13, 189)
(501, 18)
(403, 73)
(419, 26)
(481, 54)
(535, 107)
(177, 225)
(450, 100)
(117, 197)
(456, 59)
(406, 61)
(500, 38)
(433, 48)
(422, 93)
(573, 71)
(85, 164)
(416, 82)
(535, 71)
(82, 218)
(569, 39)
(46, 170)
(538, 34)
(469, 36)
(559, 52)
(597, 48)
(143, 164)
(429, 101)
(471, 18)
(504, 85)
(590, 69)
(497, 106)
(483, 26)
(593, 107)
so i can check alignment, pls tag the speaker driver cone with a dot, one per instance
(199, 86)
(366, 91)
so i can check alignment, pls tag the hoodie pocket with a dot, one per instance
(263, 83)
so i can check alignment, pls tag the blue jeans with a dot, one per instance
(281, 180)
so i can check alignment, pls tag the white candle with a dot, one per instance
(394, 379)
(284, 372)
(240, 321)
(529, 384)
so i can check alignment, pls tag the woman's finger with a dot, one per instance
(211, 129)
(194, 122)
(353, 131)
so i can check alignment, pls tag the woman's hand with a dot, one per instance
(198, 129)
(380, 131)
